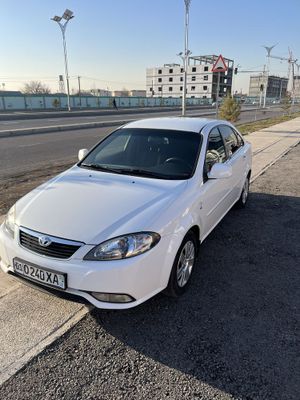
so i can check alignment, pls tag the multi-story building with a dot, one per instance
(297, 86)
(93, 92)
(276, 87)
(120, 93)
(137, 93)
(167, 81)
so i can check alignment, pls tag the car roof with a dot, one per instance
(173, 123)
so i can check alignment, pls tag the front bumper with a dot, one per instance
(140, 277)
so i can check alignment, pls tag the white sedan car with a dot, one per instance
(126, 221)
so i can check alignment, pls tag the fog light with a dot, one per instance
(112, 297)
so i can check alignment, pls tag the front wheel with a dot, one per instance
(241, 203)
(183, 266)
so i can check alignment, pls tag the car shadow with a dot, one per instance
(236, 327)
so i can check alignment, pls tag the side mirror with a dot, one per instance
(82, 153)
(220, 171)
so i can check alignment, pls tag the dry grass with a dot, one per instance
(257, 125)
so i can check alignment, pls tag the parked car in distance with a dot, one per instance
(126, 221)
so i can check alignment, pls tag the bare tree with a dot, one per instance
(286, 104)
(35, 87)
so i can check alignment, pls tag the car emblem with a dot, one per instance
(44, 241)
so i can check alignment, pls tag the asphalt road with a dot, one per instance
(41, 114)
(26, 153)
(31, 123)
(31, 152)
(233, 335)
(119, 115)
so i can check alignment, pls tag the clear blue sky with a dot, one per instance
(114, 41)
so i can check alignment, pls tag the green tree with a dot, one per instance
(230, 109)
(56, 103)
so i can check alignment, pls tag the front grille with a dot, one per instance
(59, 248)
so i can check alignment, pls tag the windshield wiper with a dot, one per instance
(133, 171)
(101, 168)
(145, 173)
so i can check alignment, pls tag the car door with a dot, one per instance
(214, 192)
(235, 158)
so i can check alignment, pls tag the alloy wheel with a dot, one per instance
(185, 263)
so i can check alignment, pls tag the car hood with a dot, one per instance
(92, 206)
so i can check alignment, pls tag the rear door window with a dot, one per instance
(232, 142)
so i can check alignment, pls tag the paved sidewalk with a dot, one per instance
(31, 320)
(271, 143)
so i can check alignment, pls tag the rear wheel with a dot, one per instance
(183, 266)
(241, 203)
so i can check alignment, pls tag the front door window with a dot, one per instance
(215, 152)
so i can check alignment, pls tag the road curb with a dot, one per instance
(60, 128)
(54, 335)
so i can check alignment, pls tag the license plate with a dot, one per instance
(42, 275)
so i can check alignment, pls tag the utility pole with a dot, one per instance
(235, 71)
(186, 55)
(79, 90)
(152, 88)
(262, 88)
(217, 96)
(280, 92)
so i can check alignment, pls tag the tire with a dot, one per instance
(242, 201)
(184, 261)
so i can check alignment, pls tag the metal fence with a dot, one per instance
(59, 102)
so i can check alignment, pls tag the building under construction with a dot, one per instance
(167, 81)
(276, 87)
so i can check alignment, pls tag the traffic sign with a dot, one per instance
(219, 65)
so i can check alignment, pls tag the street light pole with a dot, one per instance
(186, 55)
(67, 15)
(79, 90)
(269, 49)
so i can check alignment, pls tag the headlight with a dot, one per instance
(123, 247)
(9, 222)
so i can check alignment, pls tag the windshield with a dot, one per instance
(154, 153)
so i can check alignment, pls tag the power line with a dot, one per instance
(108, 81)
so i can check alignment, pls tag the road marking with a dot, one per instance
(29, 145)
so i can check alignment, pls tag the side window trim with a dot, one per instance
(228, 157)
(224, 143)
(236, 135)
(206, 148)
(240, 137)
